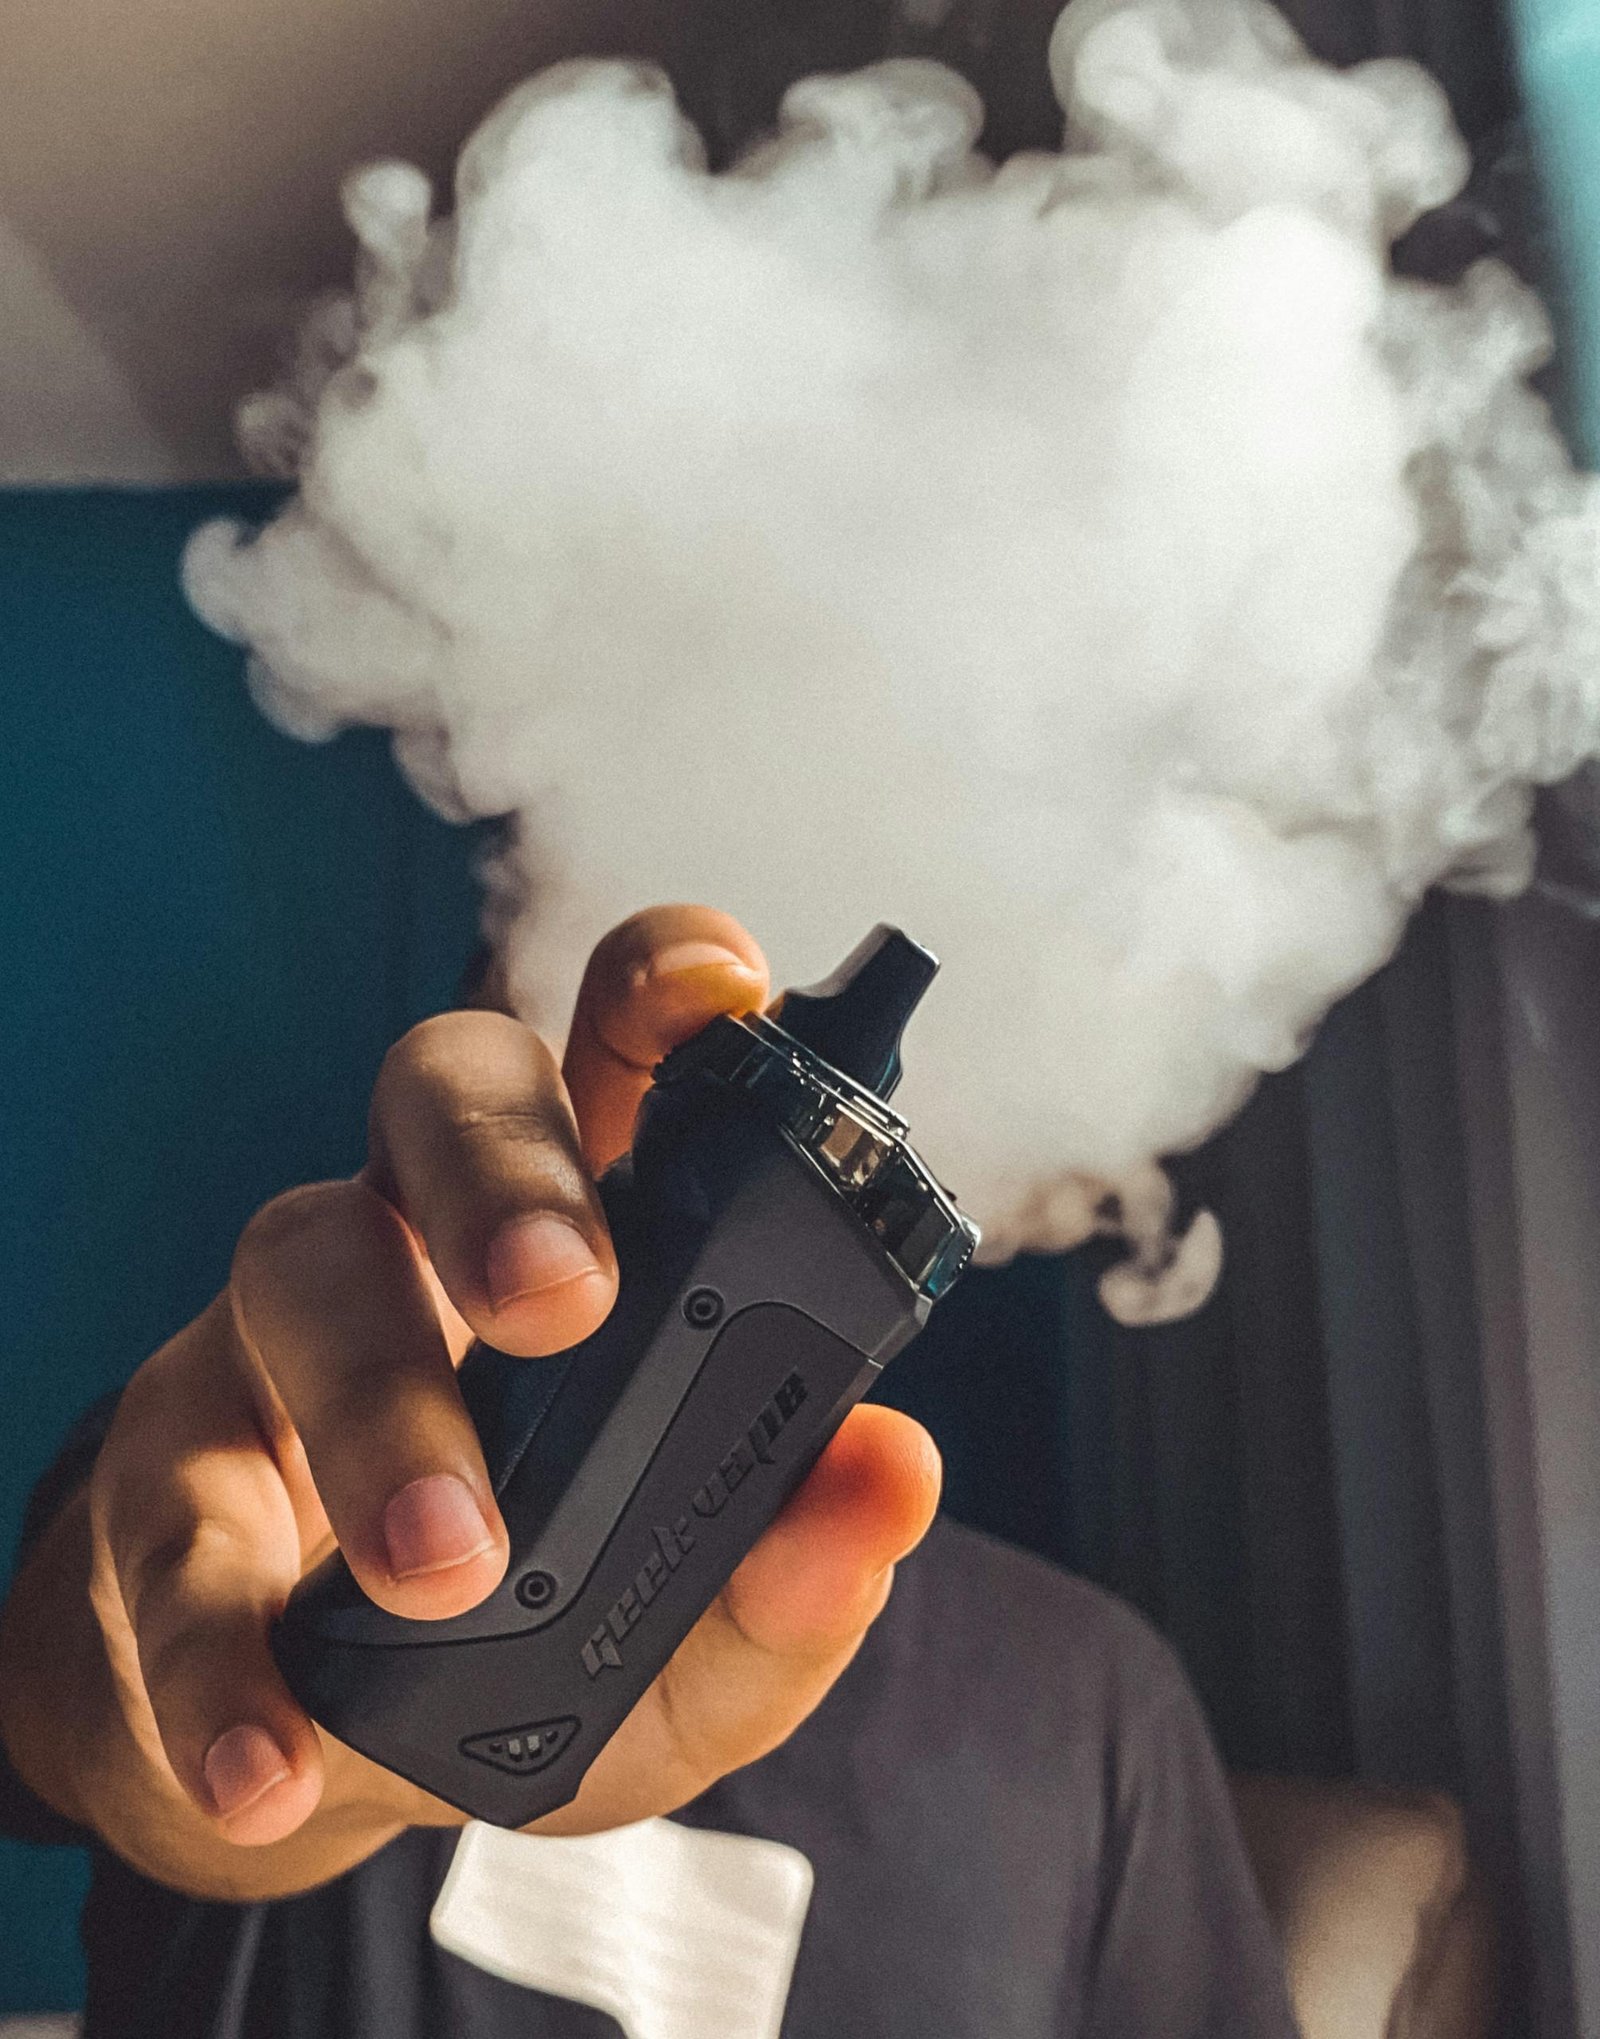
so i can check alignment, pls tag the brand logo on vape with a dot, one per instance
(674, 1541)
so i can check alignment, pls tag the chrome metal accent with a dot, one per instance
(850, 1136)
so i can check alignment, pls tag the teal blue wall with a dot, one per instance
(208, 936)
(1558, 44)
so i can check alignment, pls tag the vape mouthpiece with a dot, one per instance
(854, 1018)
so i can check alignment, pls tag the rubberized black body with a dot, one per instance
(634, 1472)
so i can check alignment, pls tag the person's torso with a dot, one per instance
(952, 1796)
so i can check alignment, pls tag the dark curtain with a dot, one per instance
(1293, 1484)
(1261, 1480)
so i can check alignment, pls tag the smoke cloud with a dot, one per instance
(1103, 566)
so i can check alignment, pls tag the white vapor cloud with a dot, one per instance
(1104, 567)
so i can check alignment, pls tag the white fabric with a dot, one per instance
(675, 1933)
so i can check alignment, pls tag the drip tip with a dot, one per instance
(854, 1018)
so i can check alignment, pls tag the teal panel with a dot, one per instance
(209, 935)
(1559, 59)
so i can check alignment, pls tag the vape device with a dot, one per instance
(779, 1242)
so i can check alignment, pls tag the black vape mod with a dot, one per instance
(778, 1242)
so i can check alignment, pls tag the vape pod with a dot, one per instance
(779, 1242)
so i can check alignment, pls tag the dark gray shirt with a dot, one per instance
(1015, 1817)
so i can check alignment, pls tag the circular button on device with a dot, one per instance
(535, 1589)
(703, 1308)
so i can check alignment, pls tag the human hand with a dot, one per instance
(316, 1401)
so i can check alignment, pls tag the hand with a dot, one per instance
(316, 1400)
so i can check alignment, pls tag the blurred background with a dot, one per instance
(1360, 1491)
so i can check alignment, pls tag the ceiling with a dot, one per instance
(169, 169)
(168, 193)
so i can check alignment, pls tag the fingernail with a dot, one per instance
(433, 1524)
(533, 1254)
(678, 959)
(242, 1766)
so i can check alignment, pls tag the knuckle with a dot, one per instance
(284, 1225)
(335, 1419)
(152, 1577)
(422, 1048)
(137, 1453)
(433, 1056)
(696, 1753)
(187, 1663)
(140, 1408)
(273, 1245)
(470, 1078)
(531, 1121)
(173, 1580)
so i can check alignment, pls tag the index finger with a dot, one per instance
(651, 983)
